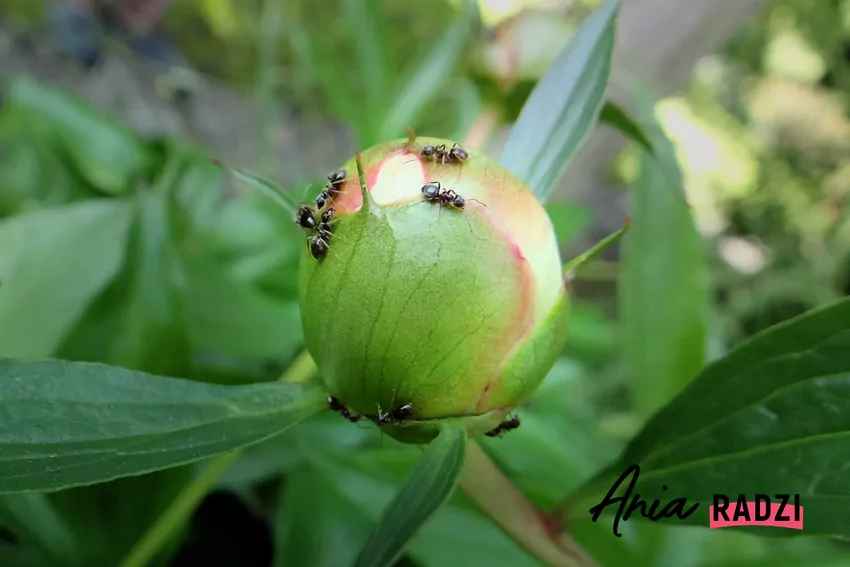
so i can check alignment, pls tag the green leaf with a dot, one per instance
(664, 293)
(68, 424)
(52, 264)
(430, 485)
(20, 556)
(429, 77)
(582, 259)
(615, 116)
(108, 154)
(155, 324)
(317, 59)
(563, 106)
(773, 416)
(369, 21)
(32, 176)
(265, 187)
(139, 322)
(108, 518)
(231, 317)
(458, 533)
(34, 521)
(334, 533)
(199, 192)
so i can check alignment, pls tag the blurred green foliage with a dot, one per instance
(141, 254)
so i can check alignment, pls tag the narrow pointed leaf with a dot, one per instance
(771, 417)
(429, 486)
(597, 249)
(563, 106)
(664, 291)
(616, 116)
(65, 424)
(367, 481)
(264, 186)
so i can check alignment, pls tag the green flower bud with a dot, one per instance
(459, 312)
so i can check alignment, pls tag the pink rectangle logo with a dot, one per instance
(786, 513)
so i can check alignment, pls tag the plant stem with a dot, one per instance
(177, 512)
(485, 484)
(146, 548)
(301, 370)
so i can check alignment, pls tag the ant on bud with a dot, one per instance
(457, 154)
(434, 193)
(337, 178)
(318, 247)
(324, 225)
(396, 415)
(439, 153)
(507, 425)
(338, 407)
(305, 217)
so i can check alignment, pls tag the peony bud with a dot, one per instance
(459, 312)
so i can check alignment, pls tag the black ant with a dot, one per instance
(396, 415)
(434, 193)
(323, 197)
(457, 154)
(338, 407)
(439, 153)
(324, 226)
(305, 217)
(506, 425)
(331, 190)
(337, 178)
(318, 246)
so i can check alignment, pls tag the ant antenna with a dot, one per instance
(477, 201)
(306, 191)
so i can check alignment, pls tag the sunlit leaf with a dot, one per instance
(563, 106)
(664, 293)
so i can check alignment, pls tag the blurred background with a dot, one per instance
(102, 98)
